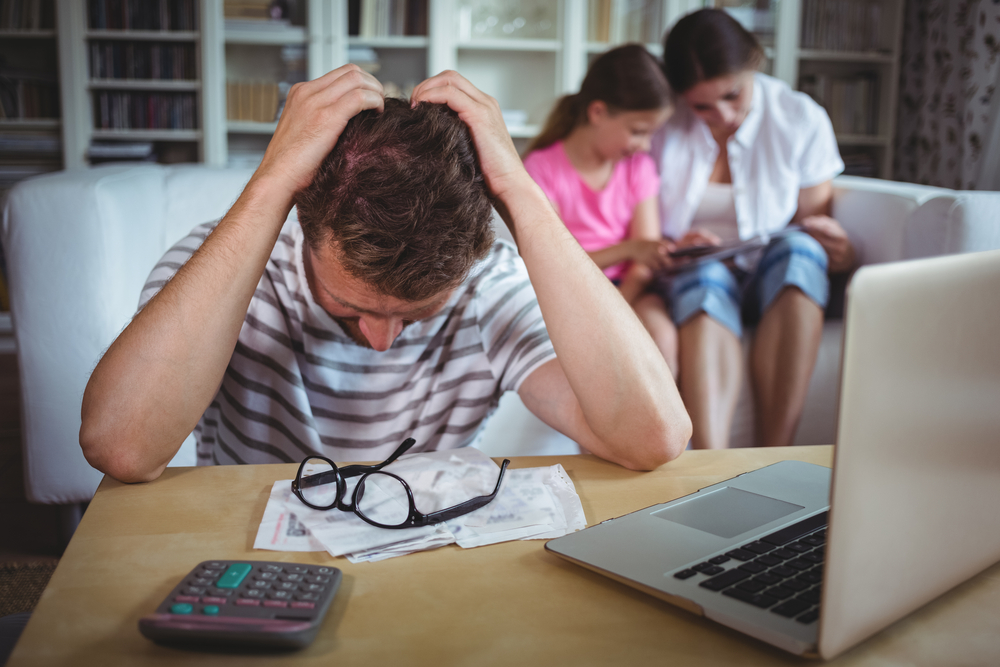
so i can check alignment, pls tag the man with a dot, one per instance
(198, 352)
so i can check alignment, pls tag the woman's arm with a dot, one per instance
(815, 206)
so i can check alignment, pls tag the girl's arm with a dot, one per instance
(644, 231)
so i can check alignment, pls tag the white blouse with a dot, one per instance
(786, 143)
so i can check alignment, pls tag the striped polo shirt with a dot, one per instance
(298, 385)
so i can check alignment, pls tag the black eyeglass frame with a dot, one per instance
(415, 518)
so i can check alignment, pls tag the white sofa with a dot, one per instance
(79, 246)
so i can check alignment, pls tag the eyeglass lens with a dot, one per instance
(318, 483)
(383, 499)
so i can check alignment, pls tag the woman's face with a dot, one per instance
(722, 102)
(622, 133)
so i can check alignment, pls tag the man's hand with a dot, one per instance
(501, 165)
(834, 240)
(315, 114)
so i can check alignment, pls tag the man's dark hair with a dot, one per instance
(402, 199)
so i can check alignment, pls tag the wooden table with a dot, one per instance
(506, 604)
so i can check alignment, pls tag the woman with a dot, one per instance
(742, 157)
(591, 161)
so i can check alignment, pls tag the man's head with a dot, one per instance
(399, 210)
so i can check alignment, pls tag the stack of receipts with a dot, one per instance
(533, 503)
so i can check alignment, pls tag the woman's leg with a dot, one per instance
(793, 287)
(711, 358)
(781, 363)
(653, 314)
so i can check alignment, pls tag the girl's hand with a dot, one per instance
(652, 254)
(834, 240)
(502, 167)
(698, 237)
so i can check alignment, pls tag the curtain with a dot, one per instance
(947, 130)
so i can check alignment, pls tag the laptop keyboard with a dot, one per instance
(782, 571)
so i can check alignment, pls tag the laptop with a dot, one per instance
(815, 561)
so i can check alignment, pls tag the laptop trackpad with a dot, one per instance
(727, 512)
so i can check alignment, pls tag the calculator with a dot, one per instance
(245, 603)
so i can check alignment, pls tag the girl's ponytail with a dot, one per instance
(561, 121)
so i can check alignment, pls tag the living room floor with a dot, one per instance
(28, 532)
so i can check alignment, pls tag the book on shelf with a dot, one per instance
(115, 59)
(143, 15)
(120, 150)
(287, 11)
(634, 21)
(31, 143)
(28, 94)
(386, 18)
(254, 101)
(850, 101)
(860, 163)
(144, 111)
(27, 14)
(842, 25)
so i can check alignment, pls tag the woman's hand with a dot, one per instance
(315, 114)
(833, 238)
(697, 238)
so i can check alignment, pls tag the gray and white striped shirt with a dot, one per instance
(298, 385)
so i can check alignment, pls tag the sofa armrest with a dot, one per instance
(953, 223)
(875, 212)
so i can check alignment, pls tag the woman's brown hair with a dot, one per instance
(707, 44)
(626, 78)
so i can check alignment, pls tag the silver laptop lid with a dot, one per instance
(916, 485)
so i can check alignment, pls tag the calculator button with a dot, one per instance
(307, 596)
(318, 580)
(186, 598)
(211, 610)
(275, 603)
(298, 569)
(221, 592)
(324, 570)
(311, 587)
(234, 576)
(245, 602)
(303, 605)
(181, 608)
(214, 600)
(280, 595)
(201, 581)
(286, 586)
(265, 576)
(215, 565)
(260, 584)
(272, 568)
(253, 593)
(293, 577)
(194, 590)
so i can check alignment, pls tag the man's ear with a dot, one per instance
(596, 112)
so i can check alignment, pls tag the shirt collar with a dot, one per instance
(747, 131)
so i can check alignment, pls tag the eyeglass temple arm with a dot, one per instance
(355, 470)
(468, 505)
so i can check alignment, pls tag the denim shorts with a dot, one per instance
(732, 296)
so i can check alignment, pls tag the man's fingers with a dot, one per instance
(449, 79)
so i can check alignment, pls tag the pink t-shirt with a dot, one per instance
(597, 219)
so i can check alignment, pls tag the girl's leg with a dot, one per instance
(711, 358)
(653, 315)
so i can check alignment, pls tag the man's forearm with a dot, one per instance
(625, 389)
(155, 381)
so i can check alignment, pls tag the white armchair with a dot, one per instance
(79, 246)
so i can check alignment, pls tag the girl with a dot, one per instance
(591, 162)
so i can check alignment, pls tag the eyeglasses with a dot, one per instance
(380, 498)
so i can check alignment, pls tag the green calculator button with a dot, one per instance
(211, 610)
(181, 608)
(234, 576)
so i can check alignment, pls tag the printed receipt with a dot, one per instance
(533, 503)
